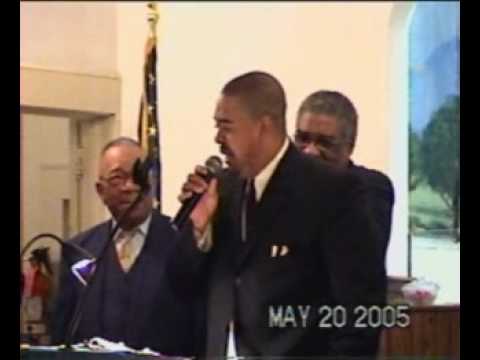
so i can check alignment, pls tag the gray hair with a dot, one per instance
(336, 104)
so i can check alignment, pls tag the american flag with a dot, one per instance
(148, 129)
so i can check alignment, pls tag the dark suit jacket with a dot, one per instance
(318, 213)
(159, 320)
(381, 198)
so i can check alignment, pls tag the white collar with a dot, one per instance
(262, 179)
(142, 228)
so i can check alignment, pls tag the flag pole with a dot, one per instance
(152, 18)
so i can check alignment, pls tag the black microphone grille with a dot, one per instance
(141, 170)
(214, 164)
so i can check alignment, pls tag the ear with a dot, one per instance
(266, 123)
(99, 188)
(350, 150)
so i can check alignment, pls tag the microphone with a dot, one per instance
(141, 171)
(214, 166)
(74, 248)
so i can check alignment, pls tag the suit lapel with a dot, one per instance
(152, 252)
(275, 198)
(92, 317)
(147, 285)
(101, 237)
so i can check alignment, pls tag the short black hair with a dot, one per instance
(262, 94)
(336, 104)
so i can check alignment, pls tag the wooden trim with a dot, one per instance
(433, 331)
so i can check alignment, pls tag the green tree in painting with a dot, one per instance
(440, 156)
(414, 161)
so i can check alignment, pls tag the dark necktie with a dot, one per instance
(249, 203)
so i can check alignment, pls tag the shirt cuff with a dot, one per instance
(204, 241)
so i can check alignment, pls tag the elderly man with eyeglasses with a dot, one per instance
(326, 128)
(131, 300)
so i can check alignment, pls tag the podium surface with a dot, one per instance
(37, 354)
(33, 354)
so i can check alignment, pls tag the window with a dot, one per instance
(434, 146)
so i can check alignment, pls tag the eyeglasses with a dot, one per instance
(303, 138)
(117, 180)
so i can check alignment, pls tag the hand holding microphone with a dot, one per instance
(199, 195)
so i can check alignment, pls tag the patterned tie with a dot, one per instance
(125, 253)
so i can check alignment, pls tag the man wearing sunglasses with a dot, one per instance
(326, 127)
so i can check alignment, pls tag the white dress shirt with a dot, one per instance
(204, 243)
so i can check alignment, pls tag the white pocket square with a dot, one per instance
(279, 250)
(284, 250)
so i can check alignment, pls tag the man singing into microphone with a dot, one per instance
(130, 300)
(277, 230)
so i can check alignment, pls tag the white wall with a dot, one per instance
(68, 58)
(69, 36)
(308, 46)
(397, 125)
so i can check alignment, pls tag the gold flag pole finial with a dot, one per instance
(152, 17)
